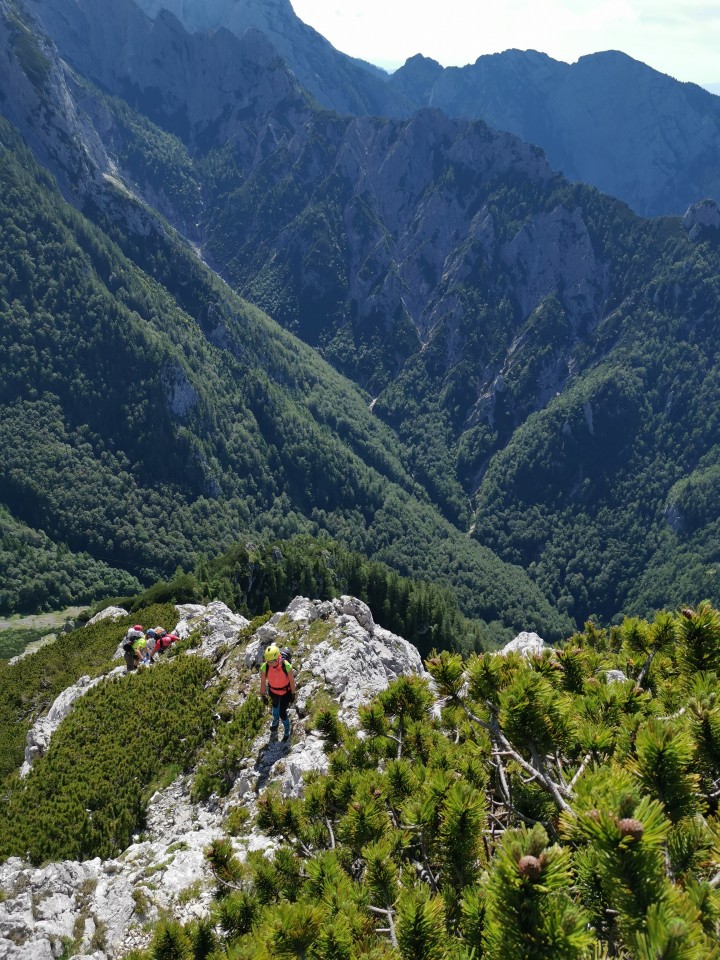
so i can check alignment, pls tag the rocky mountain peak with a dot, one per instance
(199, 16)
(701, 216)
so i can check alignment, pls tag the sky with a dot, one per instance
(677, 37)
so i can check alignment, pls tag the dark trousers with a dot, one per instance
(280, 703)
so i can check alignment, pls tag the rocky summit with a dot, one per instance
(106, 907)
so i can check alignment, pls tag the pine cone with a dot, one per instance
(629, 827)
(687, 613)
(530, 867)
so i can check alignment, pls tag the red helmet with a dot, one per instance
(138, 626)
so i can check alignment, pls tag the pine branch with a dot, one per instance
(644, 671)
(561, 772)
(554, 788)
(386, 912)
(328, 824)
(226, 883)
(432, 882)
(498, 821)
(398, 741)
(502, 746)
(580, 770)
(504, 785)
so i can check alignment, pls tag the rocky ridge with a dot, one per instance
(607, 119)
(103, 908)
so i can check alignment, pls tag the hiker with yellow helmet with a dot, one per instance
(278, 681)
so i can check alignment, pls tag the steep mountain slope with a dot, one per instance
(148, 428)
(39, 574)
(607, 120)
(334, 79)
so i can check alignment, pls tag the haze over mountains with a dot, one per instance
(531, 366)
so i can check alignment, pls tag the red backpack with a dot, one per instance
(277, 676)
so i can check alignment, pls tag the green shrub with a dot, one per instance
(87, 796)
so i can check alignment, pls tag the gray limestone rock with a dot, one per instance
(216, 623)
(615, 676)
(528, 644)
(109, 613)
(701, 216)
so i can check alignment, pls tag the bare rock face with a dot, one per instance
(104, 907)
(701, 216)
(109, 613)
(607, 119)
(41, 103)
(338, 81)
(340, 648)
(216, 623)
(528, 644)
(614, 676)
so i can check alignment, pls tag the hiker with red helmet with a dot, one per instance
(129, 651)
(278, 681)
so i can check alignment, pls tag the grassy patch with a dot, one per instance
(14, 641)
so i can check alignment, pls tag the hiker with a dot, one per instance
(129, 649)
(140, 645)
(277, 680)
(163, 640)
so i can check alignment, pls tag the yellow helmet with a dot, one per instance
(272, 653)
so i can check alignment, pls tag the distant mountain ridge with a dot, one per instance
(607, 120)
(337, 81)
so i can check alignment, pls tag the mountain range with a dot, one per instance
(607, 119)
(523, 400)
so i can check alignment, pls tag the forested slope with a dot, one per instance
(545, 356)
(148, 432)
(543, 360)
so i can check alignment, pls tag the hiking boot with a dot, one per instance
(273, 726)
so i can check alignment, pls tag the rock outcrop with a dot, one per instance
(109, 613)
(701, 216)
(528, 644)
